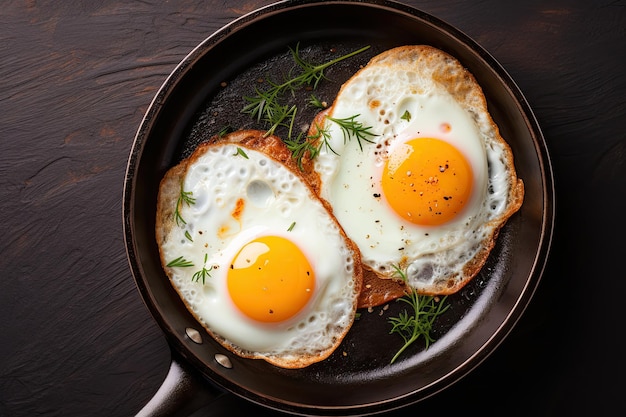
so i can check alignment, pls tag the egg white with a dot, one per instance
(276, 202)
(401, 102)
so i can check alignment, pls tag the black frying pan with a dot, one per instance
(193, 105)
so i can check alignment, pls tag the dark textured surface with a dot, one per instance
(77, 77)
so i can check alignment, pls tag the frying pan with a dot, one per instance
(205, 93)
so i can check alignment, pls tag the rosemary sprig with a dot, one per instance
(203, 273)
(265, 105)
(425, 309)
(185, 197)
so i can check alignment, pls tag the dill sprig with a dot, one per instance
(241, 152)
(184, 197)
(317, 103)
(224, 131)
(202, 273)
(425, 309)
(313, 144)
(350, 127)
(300, 148)
(180, 262)
(265, 105)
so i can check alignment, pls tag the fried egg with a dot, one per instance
(430, 183)
(255, 255)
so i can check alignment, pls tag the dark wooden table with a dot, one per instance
(75, 80)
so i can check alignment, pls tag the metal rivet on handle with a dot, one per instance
(194, 335)
(223, 360)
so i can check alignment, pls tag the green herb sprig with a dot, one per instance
(202, 273)
(425, 309)
(266, 106)
(299, 148)
(184, 197)
(350, 127)
(180, 262)
(317, 103)
(241, 152)
(313, 144)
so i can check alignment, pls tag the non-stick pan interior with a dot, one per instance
(205, 95)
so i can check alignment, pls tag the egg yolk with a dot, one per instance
(427, 181)
(270, 279)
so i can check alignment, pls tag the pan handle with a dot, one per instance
(182, 393)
